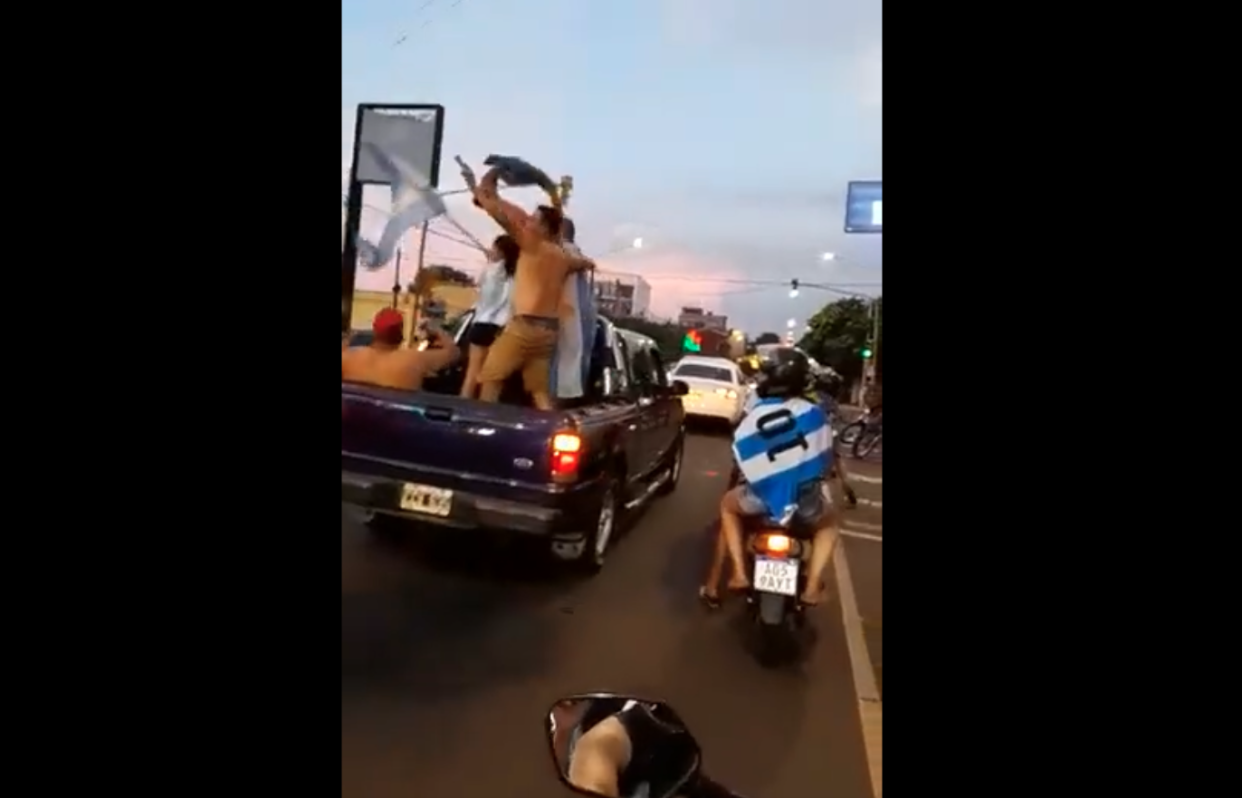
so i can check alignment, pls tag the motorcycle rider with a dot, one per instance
(784, 450)
(623, 748)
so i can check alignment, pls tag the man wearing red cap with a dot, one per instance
(384, 363)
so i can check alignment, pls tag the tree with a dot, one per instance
(432, 275)
(767, 338)
(839, 332)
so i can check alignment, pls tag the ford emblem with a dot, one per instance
(523, 463)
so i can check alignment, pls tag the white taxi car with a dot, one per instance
(717, 387)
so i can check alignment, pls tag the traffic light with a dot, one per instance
(866, 353)
(793, 287)
(693, 342)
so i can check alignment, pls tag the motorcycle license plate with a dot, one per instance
(776, 576)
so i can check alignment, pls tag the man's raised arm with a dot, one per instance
(487, 196)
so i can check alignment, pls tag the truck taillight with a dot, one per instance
(566, 449)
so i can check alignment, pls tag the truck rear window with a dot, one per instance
(700, 372)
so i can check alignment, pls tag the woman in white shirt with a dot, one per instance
(492, 311)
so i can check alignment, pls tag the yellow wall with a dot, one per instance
(457, 299)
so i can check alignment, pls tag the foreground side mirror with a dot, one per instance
(680, 388)
(585, 732)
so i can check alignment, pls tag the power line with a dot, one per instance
(427, 21)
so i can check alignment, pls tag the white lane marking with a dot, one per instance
(870, 708)
(876, 503)
(850, 533)
(864, 478)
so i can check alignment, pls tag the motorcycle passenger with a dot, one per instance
(627, 749)
(784, 450)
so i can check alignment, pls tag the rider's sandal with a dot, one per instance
(711, 602)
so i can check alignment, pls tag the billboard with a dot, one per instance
(411, 134)
(864, 207)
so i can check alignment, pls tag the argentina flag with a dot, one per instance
(572, 356)
(780, 446)
(414, 202)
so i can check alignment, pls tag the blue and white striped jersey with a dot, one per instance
(780, 446)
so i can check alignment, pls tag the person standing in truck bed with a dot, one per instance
(384, 363)
(526, 343)
(492, 310)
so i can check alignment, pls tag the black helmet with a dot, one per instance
(786, 373)
(828, 381)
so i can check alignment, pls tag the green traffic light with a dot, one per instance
(866, 353)
(690, 344)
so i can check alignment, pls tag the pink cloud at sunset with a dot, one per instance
(677, 276)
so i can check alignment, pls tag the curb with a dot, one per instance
(870, 707)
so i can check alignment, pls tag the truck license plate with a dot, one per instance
(776, 576)
(426, 499)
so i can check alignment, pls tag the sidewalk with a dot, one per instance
(866, 566)
(864, 547)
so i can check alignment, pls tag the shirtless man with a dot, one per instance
(384, 363)
(527, 341)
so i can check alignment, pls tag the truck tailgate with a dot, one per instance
(462, 439)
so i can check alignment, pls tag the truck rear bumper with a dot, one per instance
(468, 510)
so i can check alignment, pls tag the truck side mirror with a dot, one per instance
(680, 388)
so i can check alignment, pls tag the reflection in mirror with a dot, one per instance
(622, 747)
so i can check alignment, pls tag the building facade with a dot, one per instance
(622, 297)
(700, 319)
(454, 300)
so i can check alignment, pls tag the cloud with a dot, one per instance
(741, 269)
(657, 158)
(816, 33)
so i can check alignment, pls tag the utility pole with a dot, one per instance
(422, 256)
(396, 279)
(875, 335)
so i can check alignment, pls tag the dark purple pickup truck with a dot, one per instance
(564, 477)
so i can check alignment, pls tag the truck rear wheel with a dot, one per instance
(593, 549)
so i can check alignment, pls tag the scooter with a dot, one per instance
(778, 558)
(664, 760)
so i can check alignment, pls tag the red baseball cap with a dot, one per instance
(388, 324)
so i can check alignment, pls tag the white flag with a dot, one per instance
(414, 202)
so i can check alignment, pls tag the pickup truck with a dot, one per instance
(564, 478)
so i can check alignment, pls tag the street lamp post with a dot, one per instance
(873, 344)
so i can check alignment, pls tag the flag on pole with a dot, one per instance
(414, 202)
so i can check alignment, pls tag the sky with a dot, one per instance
(721, 132)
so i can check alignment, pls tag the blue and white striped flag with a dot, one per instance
(781, 445)
(571, 357)
(414, 202)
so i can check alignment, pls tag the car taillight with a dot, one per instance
(566, 449)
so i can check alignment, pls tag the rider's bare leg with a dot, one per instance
(715, 569)
(731, 529)
(824, 543)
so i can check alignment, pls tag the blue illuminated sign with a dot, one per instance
(864, 207)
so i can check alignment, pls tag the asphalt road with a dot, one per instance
(450, 659)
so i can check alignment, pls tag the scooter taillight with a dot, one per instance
(776, 544)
